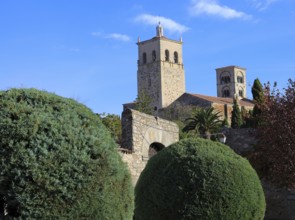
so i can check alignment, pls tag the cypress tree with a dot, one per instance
(236, 120)
(257, 91)
(258, 97)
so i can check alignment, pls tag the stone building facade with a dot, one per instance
(160, 76)
(142, 137)
(160, 73)
(231, 82)
(182, 107)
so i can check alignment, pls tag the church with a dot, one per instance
(161, 77)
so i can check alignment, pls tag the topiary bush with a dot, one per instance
(198, 179)
(58, 161)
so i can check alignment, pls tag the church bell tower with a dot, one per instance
(231, 82)
(160, 73)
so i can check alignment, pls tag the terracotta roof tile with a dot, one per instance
(221, 100)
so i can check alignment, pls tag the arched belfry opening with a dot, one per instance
(154, 148)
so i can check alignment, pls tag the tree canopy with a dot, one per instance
(113, 124)
(258, 98)
(236, 120)
(143, 103)
(257, 91)
(198, 179)
(58, 161)
(275, 151)
(205, 121)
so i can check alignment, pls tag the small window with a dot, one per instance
(225, 79)
(154, 56)
(240, 79)
(175, 57)
(167, 58)
(225, 93)
(144, 58)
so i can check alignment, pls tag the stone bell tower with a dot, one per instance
(160, 73)
(231, 82)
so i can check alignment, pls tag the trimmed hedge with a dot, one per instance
(198, 179)
(58, 161)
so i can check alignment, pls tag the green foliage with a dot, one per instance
(143, 103)
(225, 122)
(236, 120)
(204, 121)
(275, 152)
(198, 179)
(258, 97)
(113, 124)
(185, 134)
(58, 161)
(257, 91)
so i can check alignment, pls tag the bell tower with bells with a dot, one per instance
(160, 72)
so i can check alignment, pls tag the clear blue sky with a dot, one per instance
(87, 50)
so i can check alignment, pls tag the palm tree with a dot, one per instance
(204, 121)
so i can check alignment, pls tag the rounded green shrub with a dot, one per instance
(58, 161)
(198, 179)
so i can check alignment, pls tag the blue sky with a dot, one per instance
(87, 50)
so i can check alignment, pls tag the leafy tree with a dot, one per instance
(205, 121)
(275, 152)
(143, 103)
(58, 161)
(236, 120)
(198, 179)
(113, 124)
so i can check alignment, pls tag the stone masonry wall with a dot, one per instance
(139, 131)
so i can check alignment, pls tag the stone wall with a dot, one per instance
(135, 163)
(240, 140)
(139, 131)
(161, 79)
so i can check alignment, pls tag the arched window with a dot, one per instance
(240, 79)
(167, 58)
(144, 58)
(154, 57)
(224, 77)
(225, 92)
(175, 57)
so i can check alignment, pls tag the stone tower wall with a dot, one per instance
(234, 86)
(163, 80)
(139, 131)
(149, 82)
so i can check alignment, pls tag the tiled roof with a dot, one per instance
(220, 100)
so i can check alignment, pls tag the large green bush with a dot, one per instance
(58, 161)
(198, 179)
